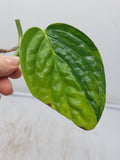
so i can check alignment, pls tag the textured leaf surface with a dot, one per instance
(62, 67)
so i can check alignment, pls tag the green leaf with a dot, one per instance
(63, 68)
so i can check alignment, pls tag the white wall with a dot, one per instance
(99, 19)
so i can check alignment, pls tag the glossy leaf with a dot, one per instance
(63, 68)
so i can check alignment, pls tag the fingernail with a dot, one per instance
(13, 61)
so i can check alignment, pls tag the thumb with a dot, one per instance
(8, 65)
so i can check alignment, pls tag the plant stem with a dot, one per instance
(8, 50)
(19, 29)
(16, 53)
(20, 34)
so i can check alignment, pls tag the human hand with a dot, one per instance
(9, 68)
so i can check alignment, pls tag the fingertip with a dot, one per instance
(5, 86)
(8, 65)
(16, 74)
(13, 61)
